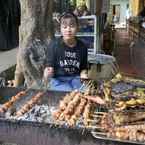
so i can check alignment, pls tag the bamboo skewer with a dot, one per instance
(94, 127)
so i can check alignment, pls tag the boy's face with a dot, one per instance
(68, 28)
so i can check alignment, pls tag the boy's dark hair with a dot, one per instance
(66, 15)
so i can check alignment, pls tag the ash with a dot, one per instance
(39, 113)
(42, 114)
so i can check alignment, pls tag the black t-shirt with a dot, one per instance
(65, 60)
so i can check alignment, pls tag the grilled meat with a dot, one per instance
(86, 113)
(132, 103)
(78, 111)
(8, 104)
(122, 118)
(129, 132)
(29, 104)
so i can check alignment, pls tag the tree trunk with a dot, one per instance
(36, 20)
(36, 30)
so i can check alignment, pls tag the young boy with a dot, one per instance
(67, 57)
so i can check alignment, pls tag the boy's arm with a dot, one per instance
(19, 76)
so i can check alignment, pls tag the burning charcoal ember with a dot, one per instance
(29, 105)
(9, 104)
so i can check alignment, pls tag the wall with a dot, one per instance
(123, 4)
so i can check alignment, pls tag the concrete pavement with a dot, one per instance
(7, 59)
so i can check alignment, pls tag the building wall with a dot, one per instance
(123, 5)
(134, 7)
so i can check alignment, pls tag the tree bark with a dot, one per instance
(36, 30)
(36, 20)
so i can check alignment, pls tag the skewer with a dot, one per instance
(96, 117)
(83, 131)
(98, 133)
(88, 85)
(99, 113)
(12, 100)
(94, 127)
(85, 85)
(92, 121)
(81, 86)
(27, 106)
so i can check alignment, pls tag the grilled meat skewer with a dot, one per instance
(67, 99)
(66, 114)
(9, 103)
(29, 104)
(63, 104)
(86, 113)
(78, 112)
(129, 132)
(72, 104)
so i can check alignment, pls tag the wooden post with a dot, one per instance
(98, 7)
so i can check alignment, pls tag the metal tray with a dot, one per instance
(117, 140)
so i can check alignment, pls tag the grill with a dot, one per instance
(38, 133)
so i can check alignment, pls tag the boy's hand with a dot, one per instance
(48, 73)
(84, 75)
